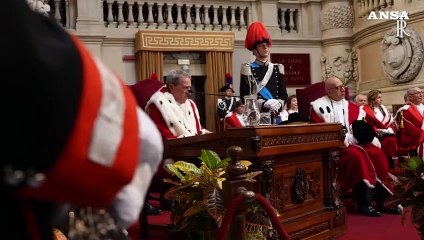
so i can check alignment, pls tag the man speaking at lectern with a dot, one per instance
(171, 109)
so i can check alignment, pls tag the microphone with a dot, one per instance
(210, 94)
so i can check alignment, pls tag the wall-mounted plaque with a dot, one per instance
(297, 68)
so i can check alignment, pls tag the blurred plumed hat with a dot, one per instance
(228, 83)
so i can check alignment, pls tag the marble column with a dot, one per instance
(267, 14)
(338, 57)
(90, 16)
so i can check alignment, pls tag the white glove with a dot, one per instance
(376, 142)
(386, 131)
(350, 139)
(273, 105)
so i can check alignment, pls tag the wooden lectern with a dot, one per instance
(299, 178)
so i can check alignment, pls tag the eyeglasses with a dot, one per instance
(339, 88)
(417, 93)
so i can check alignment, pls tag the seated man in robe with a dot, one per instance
(171, 109)
(176, 116)
(409, 119)
(360, 165)
(236, 117)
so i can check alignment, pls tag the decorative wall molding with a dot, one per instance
(345, 67)
(402, 58)
(337, 16)
(296, 139)
(166, 41)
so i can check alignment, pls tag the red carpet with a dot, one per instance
(359, 227)
(388, 227)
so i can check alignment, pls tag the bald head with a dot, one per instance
(334, 88)
(332, 82)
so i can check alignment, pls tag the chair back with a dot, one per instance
(309, 94)
(143, 90)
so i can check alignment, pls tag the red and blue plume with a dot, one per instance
(228, 80)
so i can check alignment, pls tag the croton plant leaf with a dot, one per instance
(214, 204)
(210, 159)
(257, 222)
(187, 167)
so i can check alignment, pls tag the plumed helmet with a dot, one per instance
(256, 34)
(225, 88)
(228, 83)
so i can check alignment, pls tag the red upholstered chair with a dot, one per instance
(143, 90)
(309, 94)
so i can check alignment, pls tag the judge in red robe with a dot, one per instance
(235, 118)
(360, 165)
(171, 109)
(381, 120)
(410, 123)
(175, 115)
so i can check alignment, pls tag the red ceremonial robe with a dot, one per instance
(358, 162)
(388, 141)
(173, 120)
(410, 128)
(231, 121)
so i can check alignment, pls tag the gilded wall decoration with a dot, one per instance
(184, 41)
(401, 58)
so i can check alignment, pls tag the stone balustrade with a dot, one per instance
(364, 7)
(288, 19)
(193, 16)
(125, 14)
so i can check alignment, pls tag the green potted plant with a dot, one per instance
(408, 191)
(197, 192)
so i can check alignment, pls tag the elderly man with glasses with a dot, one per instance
(409, 119)
(362, 163)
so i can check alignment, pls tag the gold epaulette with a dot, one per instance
(245, 69)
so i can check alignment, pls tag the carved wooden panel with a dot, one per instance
(297, 139)
(298, 187)
(299, 165)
